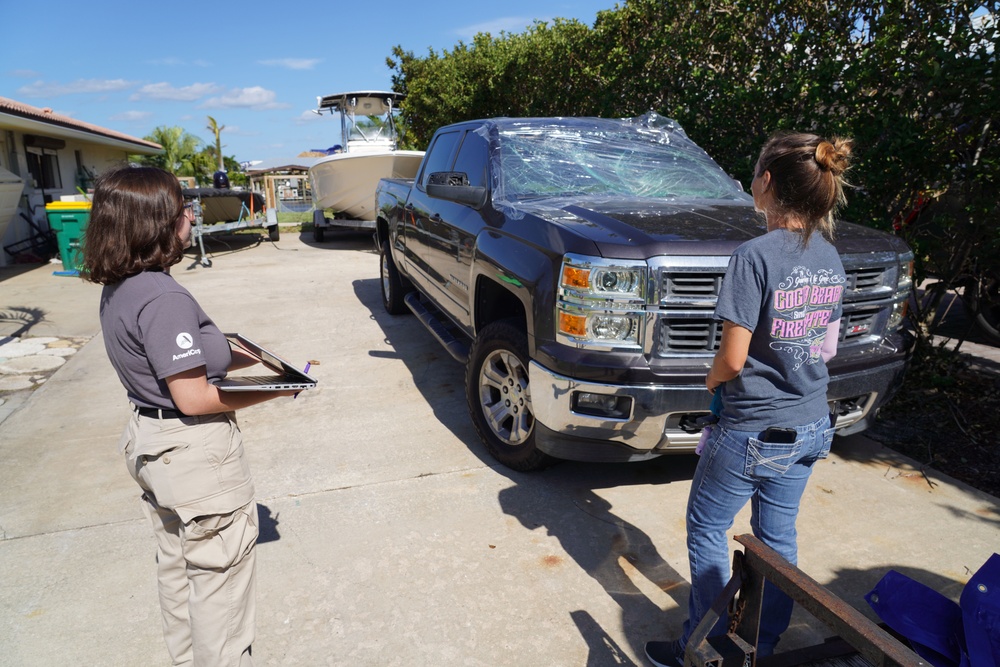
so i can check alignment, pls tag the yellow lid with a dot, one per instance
(68, 206)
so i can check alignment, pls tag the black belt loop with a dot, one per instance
(160, 413)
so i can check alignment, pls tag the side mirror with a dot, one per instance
(454, 186)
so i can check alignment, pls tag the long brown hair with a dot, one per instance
(133, 224)
(807, 176)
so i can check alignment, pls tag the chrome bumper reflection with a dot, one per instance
(644, 429)
(653, 423)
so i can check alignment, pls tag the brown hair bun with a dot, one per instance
(834, 155)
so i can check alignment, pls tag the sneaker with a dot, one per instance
(665, 654)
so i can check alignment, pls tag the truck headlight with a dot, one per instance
(905, 283)
(604, 281)
(601, 301)
(599, 327)
(897, 315)
(903, 288)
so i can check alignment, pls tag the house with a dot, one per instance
(45, 156)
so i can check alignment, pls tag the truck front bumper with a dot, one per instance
(648, 421)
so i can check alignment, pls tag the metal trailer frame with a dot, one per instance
(321, 223)
(856, 636)
(245, 221)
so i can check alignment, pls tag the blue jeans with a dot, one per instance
(736, 467)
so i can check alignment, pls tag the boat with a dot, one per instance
(344, 182)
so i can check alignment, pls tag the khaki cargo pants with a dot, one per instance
(198, 494)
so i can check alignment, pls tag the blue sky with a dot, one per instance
(256, 67)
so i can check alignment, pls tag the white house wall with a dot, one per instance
(94, 157)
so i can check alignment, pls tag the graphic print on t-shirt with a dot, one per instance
(804, 303)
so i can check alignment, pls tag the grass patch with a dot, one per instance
(293, 216)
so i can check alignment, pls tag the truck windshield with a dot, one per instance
(647, 157)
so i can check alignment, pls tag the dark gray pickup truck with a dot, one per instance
(573, 264)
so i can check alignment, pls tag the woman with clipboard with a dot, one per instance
(182, 444)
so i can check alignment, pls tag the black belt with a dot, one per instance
(160, 413)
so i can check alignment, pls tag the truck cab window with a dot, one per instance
(471, 159)
(439, 156)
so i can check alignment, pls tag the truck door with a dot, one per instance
(451, 230)
(419, 238)
(465, 224)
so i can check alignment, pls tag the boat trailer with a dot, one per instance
(223, 210)
(858, 640)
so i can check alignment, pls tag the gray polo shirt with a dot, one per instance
(153, 328)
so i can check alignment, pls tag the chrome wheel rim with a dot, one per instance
(506, 398)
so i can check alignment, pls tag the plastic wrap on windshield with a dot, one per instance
(553, 162)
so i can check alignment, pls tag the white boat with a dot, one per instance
(344, 183)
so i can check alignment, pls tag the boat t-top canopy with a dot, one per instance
(364, 137)
(364, 102)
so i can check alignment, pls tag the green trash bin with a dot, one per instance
(68, 219)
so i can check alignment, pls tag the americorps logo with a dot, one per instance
(185, 341)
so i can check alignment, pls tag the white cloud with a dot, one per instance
(510, 24)
(132, 116)
(165, 91)
(55, 89)
(291, 63)
(309, 116)
(254, 97)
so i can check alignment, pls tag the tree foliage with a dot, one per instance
(186, 155)
(914, 82)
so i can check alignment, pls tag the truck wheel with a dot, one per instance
(983, 299)
(394, 286)
(496, 386)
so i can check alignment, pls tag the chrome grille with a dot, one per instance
(860, 280)
(684, 323)
(688, 335)
(858, 324)
(695, 286)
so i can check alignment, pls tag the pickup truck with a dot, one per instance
(573, 265)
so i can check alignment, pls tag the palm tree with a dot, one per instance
(217, 130)
(179, 150)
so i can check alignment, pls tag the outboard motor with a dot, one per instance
(220, 181)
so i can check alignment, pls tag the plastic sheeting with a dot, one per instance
(648, 157)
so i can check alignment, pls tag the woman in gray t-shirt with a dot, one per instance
(181, 444)
(780, 305)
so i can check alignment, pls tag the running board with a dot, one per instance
(457, 347)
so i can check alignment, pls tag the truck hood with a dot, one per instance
(637, 229)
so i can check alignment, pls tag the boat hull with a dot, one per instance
(346, 183)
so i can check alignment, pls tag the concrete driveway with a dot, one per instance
(389, 536)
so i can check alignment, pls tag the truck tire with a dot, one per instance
(496, 387)
(983, 300)
(394, 286)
